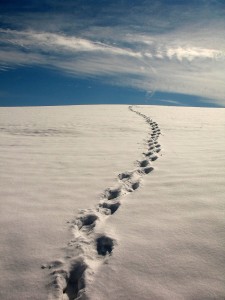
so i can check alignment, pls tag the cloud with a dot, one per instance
(179, 49)
(191, 53)
(173, 102)
(45, 41)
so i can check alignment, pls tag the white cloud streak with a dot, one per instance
(184, 60)
(57, 43)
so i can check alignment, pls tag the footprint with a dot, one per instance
(149, 153)
(104, 245)
(153, 158)
(135, 185)
(76, 279)
(151, 148)
(112, 193)
(155, 130)
(148, 170)
(111, 206)
(151, 143)
(144, 163)
(125, 175)
(87, 220)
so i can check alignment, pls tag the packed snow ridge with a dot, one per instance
(90, 245)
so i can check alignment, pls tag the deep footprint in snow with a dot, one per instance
(144, 163)
(125, 175)
(76, 279)
(104, 245)
(149, 153)
(112, 206)
(151, 144)
(153, 157)
(151, 147)
(148, 170)
(135, 185)
(87, 220)
(112, 193)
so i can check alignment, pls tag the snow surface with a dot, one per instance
(165, 236)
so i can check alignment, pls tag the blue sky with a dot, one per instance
(166, 52)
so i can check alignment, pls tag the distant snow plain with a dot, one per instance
(106, 202)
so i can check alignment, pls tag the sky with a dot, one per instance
(163, 52)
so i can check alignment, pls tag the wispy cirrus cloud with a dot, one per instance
(51, 43)
(171, 52)
(58, 43)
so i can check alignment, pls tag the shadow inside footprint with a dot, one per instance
(135, 185)
(148, 170)
(111, 206)
(76, 279)
(149, 153)
(124, 176)
(104, 245)
(87, 220)
(154, 157)
(144, 163)
(112, 194)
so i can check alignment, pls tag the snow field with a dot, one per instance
(55, 161)
(84, 216)
(171, 232)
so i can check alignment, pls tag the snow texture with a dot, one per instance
(88, 211)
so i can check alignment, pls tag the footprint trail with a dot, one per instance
(90, 245)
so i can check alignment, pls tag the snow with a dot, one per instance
(59, 184)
